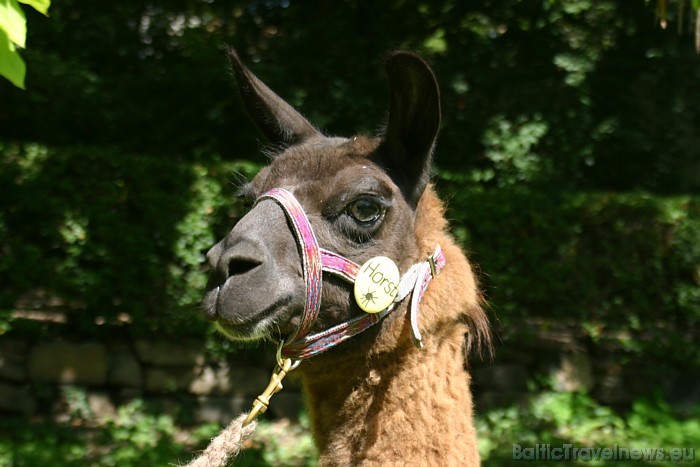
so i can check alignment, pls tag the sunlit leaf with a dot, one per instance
(13, 22)
(42, 6)
(436, 43)
(11, 64)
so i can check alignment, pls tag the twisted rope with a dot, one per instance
(226, 445)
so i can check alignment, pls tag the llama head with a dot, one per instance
(360, 195)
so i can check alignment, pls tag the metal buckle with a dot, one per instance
(261, 403)
(281, 361)
(433, 267)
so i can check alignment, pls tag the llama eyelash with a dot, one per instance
(246, 194)
(349, 229)
(238, 180)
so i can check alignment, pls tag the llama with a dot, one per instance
(387, 385)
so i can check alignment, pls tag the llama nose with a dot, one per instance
(240, 259)
(213, 255)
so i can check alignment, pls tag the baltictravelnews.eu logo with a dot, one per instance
(569, 452)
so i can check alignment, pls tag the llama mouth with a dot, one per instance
(258, 326)
(244, 333)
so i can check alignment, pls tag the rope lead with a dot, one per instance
(226, 445)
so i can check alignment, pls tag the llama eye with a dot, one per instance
(365, 210)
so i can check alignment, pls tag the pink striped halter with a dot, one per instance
(315, 261)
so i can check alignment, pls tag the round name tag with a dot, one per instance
(377, 284)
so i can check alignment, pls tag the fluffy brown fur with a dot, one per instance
(406, 406)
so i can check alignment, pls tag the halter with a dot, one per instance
(315, 261)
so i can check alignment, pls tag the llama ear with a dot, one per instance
(278, 121)
(414, 119)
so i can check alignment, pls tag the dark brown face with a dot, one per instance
(359, 194)
(257, 288)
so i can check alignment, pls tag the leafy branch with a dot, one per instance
(13, 35)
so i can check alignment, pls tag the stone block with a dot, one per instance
(11, 371)
(220, 410)
(101, 406)
(167, 380)
(125, 370)
(68, 363)
(683, 390)
(501, 378)
(611, 387)
(250, 381)
(286, 405)
(574, 373)
(16, 399)
(14, 350)
(13, 355)
(223, 379)
(493, 399)
(167, 353)
(210, 380)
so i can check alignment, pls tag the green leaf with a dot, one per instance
(11, 64)
(13, 22)
(696, 5)
(42, 6)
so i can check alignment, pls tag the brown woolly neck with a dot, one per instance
(405, 405)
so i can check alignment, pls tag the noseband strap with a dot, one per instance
(316, 260)
(310, 257)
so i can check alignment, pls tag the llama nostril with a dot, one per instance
(240, 266)
(242, 257)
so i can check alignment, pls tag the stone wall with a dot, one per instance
(188, 382)
(178, 375)
(562, 357)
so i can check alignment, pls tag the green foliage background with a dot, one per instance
(569, 150)
(569, 154)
